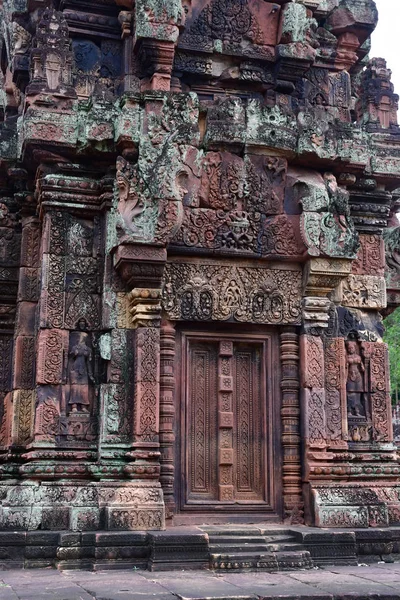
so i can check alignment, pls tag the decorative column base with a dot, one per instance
(82, 506)
(357, 504)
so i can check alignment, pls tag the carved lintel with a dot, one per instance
(220, 292)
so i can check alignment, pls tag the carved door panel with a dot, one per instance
(227, 421)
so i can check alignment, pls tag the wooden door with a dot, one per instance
(227, 433)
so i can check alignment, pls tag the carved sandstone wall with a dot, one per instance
(172, 169)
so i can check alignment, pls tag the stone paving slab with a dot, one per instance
(369, 582)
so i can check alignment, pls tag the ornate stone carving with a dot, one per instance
(380, 391)
(244, 294)
(47, 420)
(363, 291)
(167, 415)
(236, 25)
(378, 104)
(370, 257)
(147, 377)
(51, 352)
(51, 57)
(24, 412)
(117, 426)
(145, 307)
(335, 392)
(323, 275)
(326, 225)
(313, 390)
(357, 403)
(80, 371)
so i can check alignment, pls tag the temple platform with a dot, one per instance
(225, 548)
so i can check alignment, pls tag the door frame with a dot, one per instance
(219, 513)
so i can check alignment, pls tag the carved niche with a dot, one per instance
(368, 391)
(51, 57)
(220, 292)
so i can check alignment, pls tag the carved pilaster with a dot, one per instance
(167, 414)
(313, 392)
(335, 394)
(290, 414)
(146, 317)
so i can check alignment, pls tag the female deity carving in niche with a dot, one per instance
(80, 370)
(355, 385)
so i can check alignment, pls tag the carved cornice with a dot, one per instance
(323, 275)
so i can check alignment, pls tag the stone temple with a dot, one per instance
(196, 197)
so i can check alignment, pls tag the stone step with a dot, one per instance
(268, 561)
(278, 539)
(285, 547)
(294, 560)
(237, 548)
(244, 561)
(230, 530)
(236, 539)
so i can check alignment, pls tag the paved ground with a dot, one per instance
(378, 581)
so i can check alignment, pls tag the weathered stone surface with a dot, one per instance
(193, 204)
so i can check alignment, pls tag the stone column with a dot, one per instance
(167, 414)
(290, 413)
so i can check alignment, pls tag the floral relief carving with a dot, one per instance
(222, 293)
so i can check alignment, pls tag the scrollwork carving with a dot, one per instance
(219, 292)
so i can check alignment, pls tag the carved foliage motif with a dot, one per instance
(335, 390)
(238, 208)
(236, 24)
(47, 421)
(239, 232)
(117, 414)
(222, 181)
(380, 391)
(313, 369)
(25, 358)
(52, 346)
(6, 344)
(30, 245)
(313, 393)
(364, 291)
(222, 293)
(316, 417)
(147, 383)
(371, 256)
(327, 228)
(82, 289)
(24, 410)
(71, 273)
